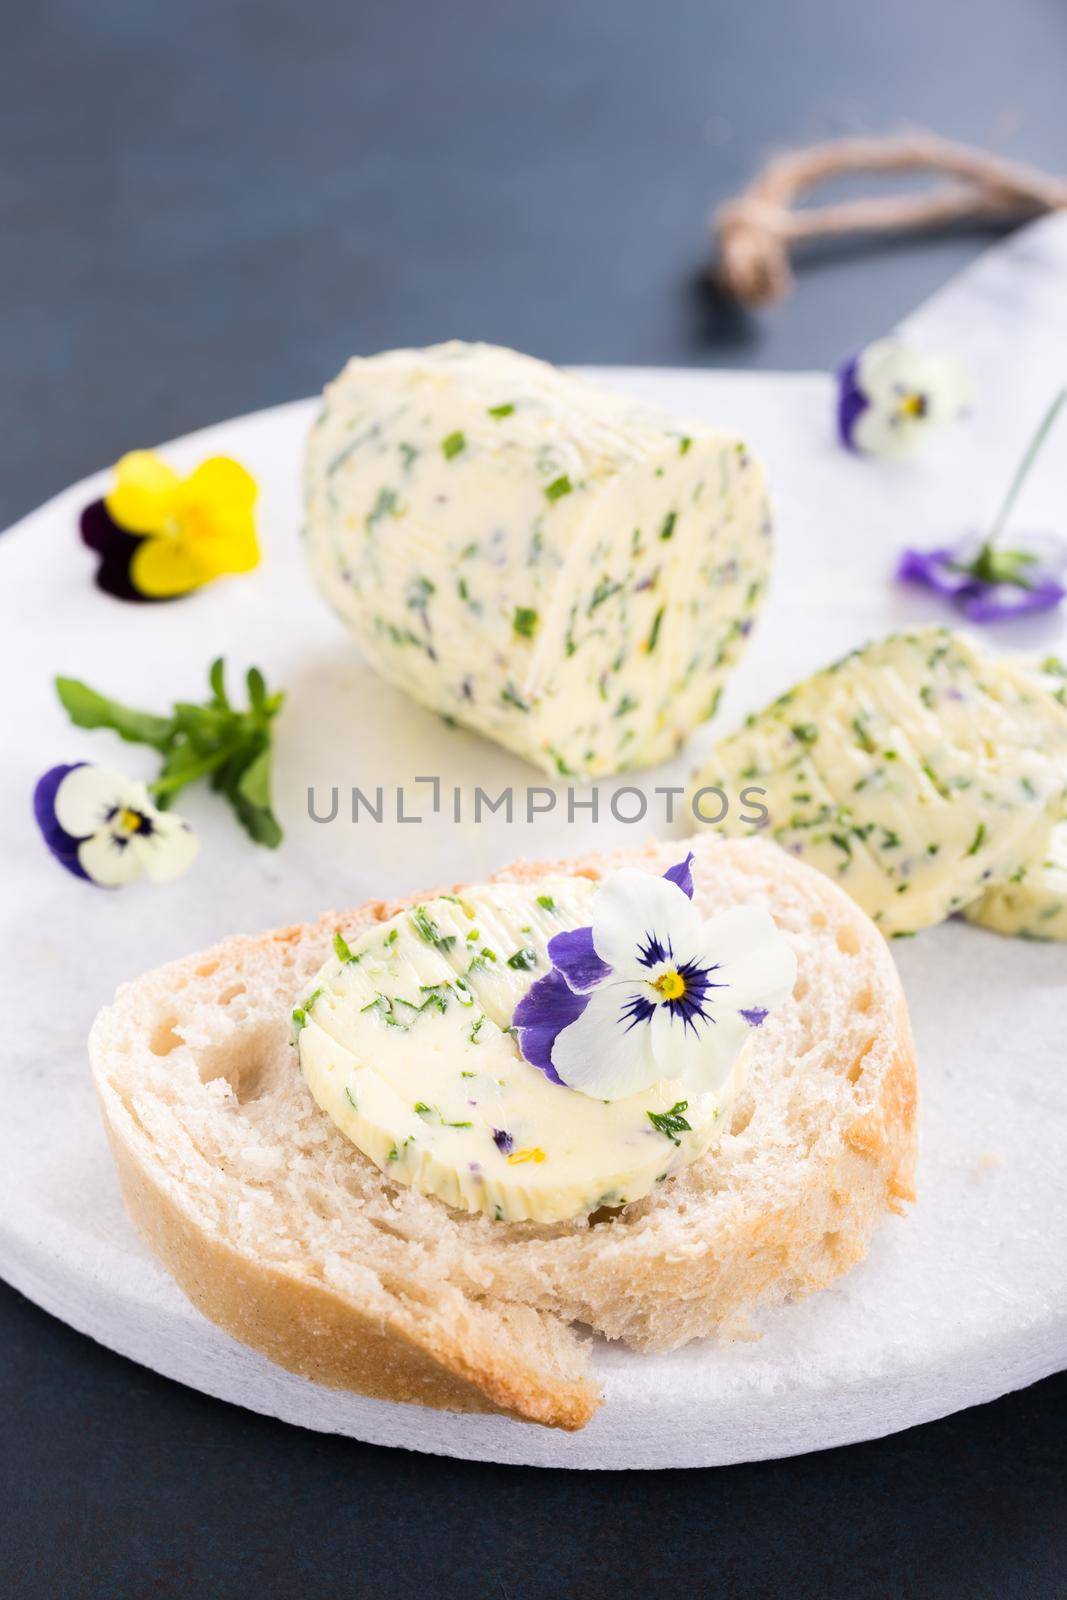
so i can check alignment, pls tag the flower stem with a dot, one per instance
(1022, 471)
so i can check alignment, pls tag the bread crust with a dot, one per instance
(321, 1335)
(447, 1355)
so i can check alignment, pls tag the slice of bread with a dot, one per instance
(283, 1233)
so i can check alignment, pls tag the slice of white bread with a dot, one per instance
(283, 1233)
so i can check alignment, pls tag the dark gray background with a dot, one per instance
(205, 209)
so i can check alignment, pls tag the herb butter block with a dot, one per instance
(916, 772)
(1034, 904)
(405, 1042)
(565, 572)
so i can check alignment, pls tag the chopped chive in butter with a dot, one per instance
(452, 444)
(427, 929)
(558, 487)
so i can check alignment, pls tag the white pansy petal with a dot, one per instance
(631, 905)
(87, 795)
(108, 862)
(888, 367)
(754, 958)
(169, 850)
(673, 1043)
(885, 366)
(888, 370)
(706, 1068)
(880, 432)
(603, 1054)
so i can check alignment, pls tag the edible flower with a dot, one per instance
(103, 827)
(650, 991)
(159, 535)
(891, 396)
(986, 579)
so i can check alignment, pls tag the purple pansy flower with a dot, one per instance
(102, 827)
(989, 584)
(986, 579)
(890, 396)
(650, 991)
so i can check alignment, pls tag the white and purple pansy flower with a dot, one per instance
(891, 396)
(651, 991)
(103, 827)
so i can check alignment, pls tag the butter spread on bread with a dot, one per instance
(557, 567)
(405, 1041)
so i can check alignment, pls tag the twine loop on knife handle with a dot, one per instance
(756, 232)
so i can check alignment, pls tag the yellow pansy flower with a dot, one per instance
(192, 529)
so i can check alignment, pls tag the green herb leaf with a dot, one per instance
(501, 411)
(453, 444)
(558, 487)
(216, 677)
(302, 1013)
(672, 1123)
(523, 960)
(87, 709)
(524, 622)
(209, 740)
(427, 929)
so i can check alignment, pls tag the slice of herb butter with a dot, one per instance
(552, 565)
(916, 772)
(405, 1043)
(1034, 904)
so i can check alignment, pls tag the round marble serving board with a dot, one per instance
(961, 1300)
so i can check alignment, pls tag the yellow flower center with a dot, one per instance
(670, 985)
(129, 821)
(913, 405)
